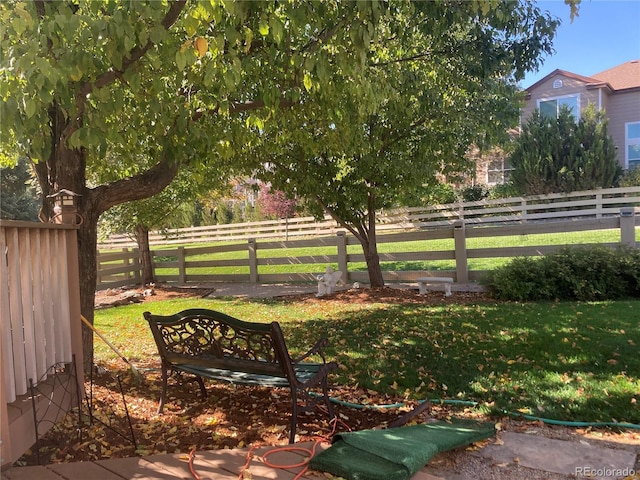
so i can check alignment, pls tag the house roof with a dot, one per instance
(622, 77)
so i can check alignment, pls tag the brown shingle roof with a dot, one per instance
(621, 77)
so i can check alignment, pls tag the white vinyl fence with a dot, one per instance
(600, 203)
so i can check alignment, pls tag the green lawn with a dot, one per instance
(566, 361)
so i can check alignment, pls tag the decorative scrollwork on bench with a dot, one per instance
(212, 345)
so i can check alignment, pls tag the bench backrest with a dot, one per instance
(212, 339)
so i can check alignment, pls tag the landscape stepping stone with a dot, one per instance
(560, 456)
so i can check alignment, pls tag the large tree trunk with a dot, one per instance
(373, 264)
(366, 234)
(369, 241)
(144, 251)
(66, 169)
(87, 251)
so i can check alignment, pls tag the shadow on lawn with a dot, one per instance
(563, 367)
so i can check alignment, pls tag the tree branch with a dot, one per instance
(144, 185)
(135, 54)
(248, 106)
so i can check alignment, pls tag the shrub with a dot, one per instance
(504, 190)
(631, 178)
(519, 281)
(474, 193)
(573, 273)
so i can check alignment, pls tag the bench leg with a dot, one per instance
(327, 400)
(294, 415)
(447, 289)
(164, 389)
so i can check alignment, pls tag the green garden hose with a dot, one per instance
(471, 403)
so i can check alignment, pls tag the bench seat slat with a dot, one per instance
(303, 372)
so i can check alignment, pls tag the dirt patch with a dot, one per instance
(113, 297)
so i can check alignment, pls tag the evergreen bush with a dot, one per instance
(585, 273)
(564, 155)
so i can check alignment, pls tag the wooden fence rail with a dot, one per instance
(586, 204)
(250, 260)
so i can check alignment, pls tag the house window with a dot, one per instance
(633, 145)
(557, 84)
(498, 171)
(550, 107)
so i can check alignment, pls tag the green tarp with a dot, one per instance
(395, 453)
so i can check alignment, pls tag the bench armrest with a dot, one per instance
(316, 349)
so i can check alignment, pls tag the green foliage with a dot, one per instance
(503, 190)
(223, 213)
(474, 193)
(561, 155)
(572, 273)
(438, 194)
(18, 200)
(631, 178)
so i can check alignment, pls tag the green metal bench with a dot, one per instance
(212, 345)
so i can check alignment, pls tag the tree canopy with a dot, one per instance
(111, 99)
(18, 200)
(445, 75)
(157, 85)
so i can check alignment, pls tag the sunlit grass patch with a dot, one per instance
(564, 360)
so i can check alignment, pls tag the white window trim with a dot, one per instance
(628, 142)
(502, 171)
(559, 97)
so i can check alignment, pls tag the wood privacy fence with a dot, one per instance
(40, 328)
(251, 261)
(600, 203)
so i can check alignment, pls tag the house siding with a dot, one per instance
(622, 108)
(570, 86)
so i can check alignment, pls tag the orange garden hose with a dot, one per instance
(310, 452)
(305, 463)
(192, 469)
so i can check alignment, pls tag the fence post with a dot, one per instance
(460, 241)
(125, 262)
(253, 260)
(599, 205)
(99, 269)
(137, 274)
(343, 265)
(182, 268)
(627, 226)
